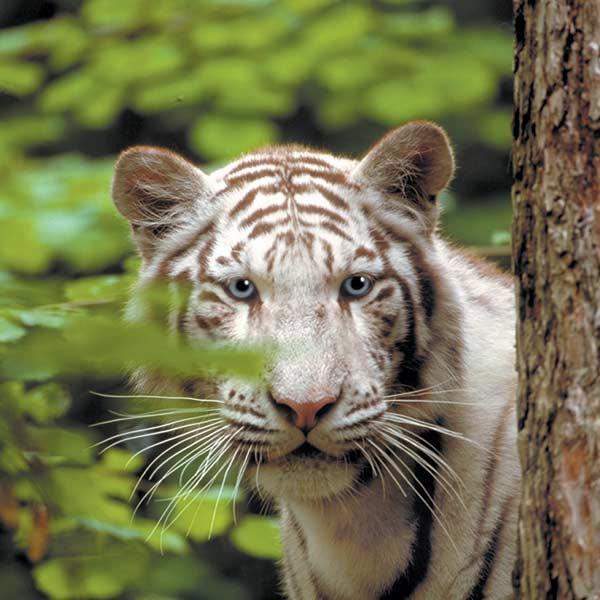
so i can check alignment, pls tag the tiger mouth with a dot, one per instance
(307, 450)
(365, 474)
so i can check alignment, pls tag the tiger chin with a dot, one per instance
(384, 426)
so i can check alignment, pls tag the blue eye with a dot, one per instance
(356, 286)
(242, 289)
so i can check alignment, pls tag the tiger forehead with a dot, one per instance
(285, 160)
(290, 204)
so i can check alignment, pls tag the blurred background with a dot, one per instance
(80, 80)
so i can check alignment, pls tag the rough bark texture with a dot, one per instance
(556, 249)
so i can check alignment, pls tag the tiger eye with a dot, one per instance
(356, 286)
(242, 289)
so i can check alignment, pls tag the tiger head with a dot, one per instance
(333, 263)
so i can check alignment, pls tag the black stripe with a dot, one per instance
(426, 278)
(478, 591)
(408, 376)
(417, 570)
(426, 281)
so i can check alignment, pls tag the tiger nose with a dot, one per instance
(305, 415)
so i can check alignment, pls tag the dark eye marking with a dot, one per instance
(383, 294)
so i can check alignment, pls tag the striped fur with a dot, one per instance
(410, 497)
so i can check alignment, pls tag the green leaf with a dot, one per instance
(437, 21)
(245, 34)
(339, 28)
(205, 516)
(119, 460)
(20, 132)
(139, 530)
(183, 89)
(9, 331)
(20, 78)
(306, 6)
(66, 92)
(41, 317)
(500, 238)
(258, 536)
(107, 288)
(101, 108)
(90, 492)
(436, 86)
(256, 100)
(175, 575)
(58, 445)
(21, 248)
(126, 61)
(104, 345)
(112, 14)
(105, 571)
(218, 137)
(46, 403)
(14, 41)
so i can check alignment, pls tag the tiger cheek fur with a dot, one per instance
(384, 426)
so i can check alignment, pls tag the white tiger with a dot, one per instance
(385, 432)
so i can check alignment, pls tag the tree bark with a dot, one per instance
(556, 252)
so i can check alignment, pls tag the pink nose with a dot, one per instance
(306, 414)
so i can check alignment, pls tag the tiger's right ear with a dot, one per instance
(157, 191)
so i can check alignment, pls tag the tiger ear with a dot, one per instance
(157, 191)
(413, 163)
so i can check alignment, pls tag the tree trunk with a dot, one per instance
(556, 250)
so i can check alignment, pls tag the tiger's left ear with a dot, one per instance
(413, 163)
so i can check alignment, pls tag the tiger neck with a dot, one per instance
(375, 544)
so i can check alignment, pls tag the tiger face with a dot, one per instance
(328, 261)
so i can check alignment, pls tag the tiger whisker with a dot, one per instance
(441, 479)
(157, 397)
(187, 461)
(256, 475)
(371, 464)
(368, 457)
(195, 480)
(238, 481)
(222, 446)
(428, 389)
(149, 415)
(424, 446)
(381, 454)
(184, 492)
(127, 436)
(214, 514)
(209, 462)
(393, 401)
(425, 497)
(207, 433)
(406, 420)
(207, 442)
(204, 430)
(184, 437)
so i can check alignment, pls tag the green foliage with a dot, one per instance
(243, 64)
(58, 211)
(216, 78)
(258, 536)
